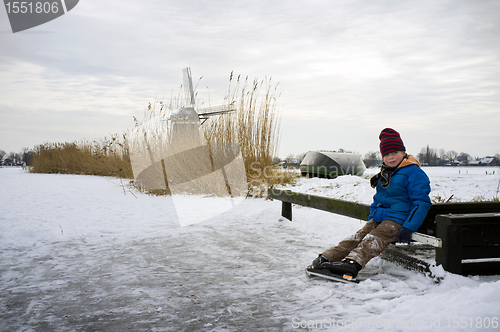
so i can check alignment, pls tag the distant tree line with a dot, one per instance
(427, 156)
(16, 157)
(440, 157)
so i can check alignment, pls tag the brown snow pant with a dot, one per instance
(367, 243)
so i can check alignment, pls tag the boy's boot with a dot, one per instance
(345, 266)
(318, 261)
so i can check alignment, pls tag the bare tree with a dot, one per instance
(372, 158)
(428, 156)
(276, 160)
(451, 155)
(15, 157)
(463, 156)
(300, 156)
(27, 156)
(442, 154)
(288, 158)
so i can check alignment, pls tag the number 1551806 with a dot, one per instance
(469, 322)
(24, 7)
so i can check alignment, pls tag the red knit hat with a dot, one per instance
(390, 141)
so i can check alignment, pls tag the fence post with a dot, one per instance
(286, 210)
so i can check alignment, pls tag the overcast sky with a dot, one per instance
(346, 69)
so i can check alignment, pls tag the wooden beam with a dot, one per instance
(345, 208)
(427, 239)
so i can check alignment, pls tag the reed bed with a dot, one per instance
(106, 157)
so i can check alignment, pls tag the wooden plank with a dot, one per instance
(427, 239)
(483, 234)
(478, 228)
(464, 208)
(429, 224)
(481, 252)
(346, 208)
(481, 268)
(486, 218)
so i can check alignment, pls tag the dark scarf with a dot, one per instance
(384, 176)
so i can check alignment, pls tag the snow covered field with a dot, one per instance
(80, 253)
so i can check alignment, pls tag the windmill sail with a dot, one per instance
(188, 86)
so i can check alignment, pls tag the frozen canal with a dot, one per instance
(81, 253)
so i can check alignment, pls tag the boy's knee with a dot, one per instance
(387, 231)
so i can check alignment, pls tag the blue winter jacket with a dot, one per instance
(406, 199)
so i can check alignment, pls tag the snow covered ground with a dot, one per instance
(84, 253)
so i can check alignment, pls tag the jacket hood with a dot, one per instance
(409, 160)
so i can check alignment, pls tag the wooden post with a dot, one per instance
(286, 210)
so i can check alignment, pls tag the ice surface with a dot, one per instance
(83, 253)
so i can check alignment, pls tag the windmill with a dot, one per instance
(189, 158)
(176, 155)
(186, 121)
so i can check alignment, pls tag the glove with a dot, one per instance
(404, 235)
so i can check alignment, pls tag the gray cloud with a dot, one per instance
(346, 68)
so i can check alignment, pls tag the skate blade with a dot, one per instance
(325, 274)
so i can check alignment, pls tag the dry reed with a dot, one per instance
(255, 127)
(106, 157)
